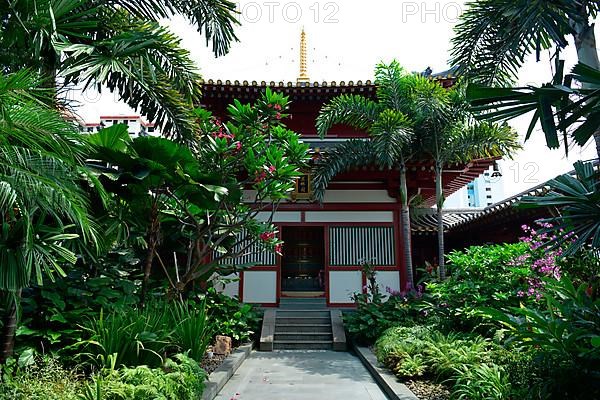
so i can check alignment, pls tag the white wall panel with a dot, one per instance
(349, 216)
(388, 279)
(229, 285)
(281, 216)
(357, 196)
(260, 287)
(342, 284)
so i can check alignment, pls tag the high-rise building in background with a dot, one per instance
(484, 191)
(136, 126)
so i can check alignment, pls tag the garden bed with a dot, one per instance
(428, 390)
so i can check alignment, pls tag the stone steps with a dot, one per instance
(302, 345)
(287, 328)
(308, 337)
(302, 324)
(281, 313)
(304, 320)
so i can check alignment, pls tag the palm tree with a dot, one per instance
(117, 44)
(448, 133)
(390, 142)
(492, 42)
(42, 202)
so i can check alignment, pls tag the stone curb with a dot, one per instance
(385, 379)
(219, 377)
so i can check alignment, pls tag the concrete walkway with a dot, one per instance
(301, 375)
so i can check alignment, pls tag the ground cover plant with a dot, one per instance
(508, 322)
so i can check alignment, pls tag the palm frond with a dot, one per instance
(353, 110)
(146, 66)
(494, 37)
(392, 137)
(216, 19)
(347, 155)
(480, 140)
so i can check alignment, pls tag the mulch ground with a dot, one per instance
(427, 390)
(210, 364)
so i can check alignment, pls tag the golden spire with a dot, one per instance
(303, 77)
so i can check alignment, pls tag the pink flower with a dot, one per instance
(277, 107)
(238, 146)
(266, 236)
(278, 248)
(260, 176)
(278, 116)
(272, 169)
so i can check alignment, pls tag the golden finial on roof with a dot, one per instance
(303, 77)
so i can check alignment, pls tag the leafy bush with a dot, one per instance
(525, 373)
(374, 314)
(52, 312)
(179, 379)
(143, 336)
(566, 335)
(134, 336)
(420, 351)
(230, 317)
(44, 379)
(447, 353)
(481, 382)
(192, 330)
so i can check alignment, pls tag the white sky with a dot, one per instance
(345, 41)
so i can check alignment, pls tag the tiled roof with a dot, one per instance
(425, 220)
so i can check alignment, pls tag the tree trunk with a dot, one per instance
(587, 53)
(439, 203)
(152, 239)
(9, 328)
(406, 231)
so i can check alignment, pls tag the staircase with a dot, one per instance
(302, 324)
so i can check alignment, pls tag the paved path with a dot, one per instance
(301, 375)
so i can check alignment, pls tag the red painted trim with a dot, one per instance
(241, 287)
(278, 266)
(335, 207)
(303, 217)
(328, 224)
(327, 263)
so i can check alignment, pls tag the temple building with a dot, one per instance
(359, 218)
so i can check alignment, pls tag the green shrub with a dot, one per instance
(192, 331)
(481, 382)
(134, 336)
(45, 379)
(399, 343)
(565, 335)
(179, 379)
(51, 313)
(479, 276)
(523, 369)
(447, 353)
(230, 317)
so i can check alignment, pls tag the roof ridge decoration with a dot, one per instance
(303, 78)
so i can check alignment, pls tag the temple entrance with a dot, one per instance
(303, 262)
